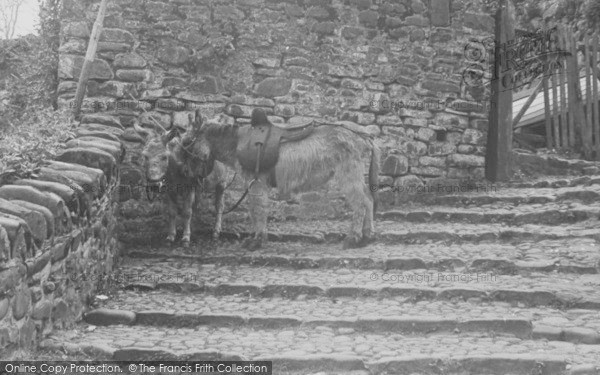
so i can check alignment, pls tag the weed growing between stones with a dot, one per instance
(38, 135)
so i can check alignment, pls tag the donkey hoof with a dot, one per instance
(248, 242)
(252, 244)
(185, 243)
(170, 240)
(352, 243)
(367, 239)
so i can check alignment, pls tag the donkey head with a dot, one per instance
(156, 152)
(194, 151)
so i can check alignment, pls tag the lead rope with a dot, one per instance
(236, 205)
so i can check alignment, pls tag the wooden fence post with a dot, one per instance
(499, 143)
(595, 76)
(89, 59)
(588, 90)
(580, 138)
(545, 87)
(564, 127)
(555, 125)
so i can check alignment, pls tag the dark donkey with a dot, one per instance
(163, 157)
(294, 159)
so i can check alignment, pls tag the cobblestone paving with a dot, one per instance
(582, 252)
(253, 343)
(508, 195)
(554, 181)
(430, 232)
(307, 308)
(550, 214)
(499, 276)
(527, 192)
(181, 270)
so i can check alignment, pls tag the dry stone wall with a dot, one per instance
(393, 65)
(58, 239)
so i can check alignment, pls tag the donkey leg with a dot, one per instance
(219, 208)
(359, 203)
(259, 209)
(368, 230)
(188, 206)
(197, 192)
(172, 218)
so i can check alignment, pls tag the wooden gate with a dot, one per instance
(570, 97)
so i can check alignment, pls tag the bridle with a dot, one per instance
(154, 184)
(186, 149)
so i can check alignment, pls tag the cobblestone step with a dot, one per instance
(555, 182)
(392, 232)
(394, 314)
(547, 214)
(567, 255)
(407, 325)
(534, 289)
(342, 349)
(507, 195)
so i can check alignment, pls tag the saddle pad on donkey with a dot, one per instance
(254, 138)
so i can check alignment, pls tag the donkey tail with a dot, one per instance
(374, 176)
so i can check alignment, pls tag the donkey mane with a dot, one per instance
(213, 130)
(223, 140)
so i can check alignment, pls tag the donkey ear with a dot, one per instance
(198, 121)
(167, 137)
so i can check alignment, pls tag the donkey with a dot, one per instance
(166, 172)
(329, 153)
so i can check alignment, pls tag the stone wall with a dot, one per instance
(393, 65)
(58, 236)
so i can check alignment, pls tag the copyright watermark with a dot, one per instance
(435, 189)
(434, 105)
(133, 277)
(520, 60)
(432, 277)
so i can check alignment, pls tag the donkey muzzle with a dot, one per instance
(154, 188)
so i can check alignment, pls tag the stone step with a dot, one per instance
(554, 182)
(342, 349)
(501, 195)
(547, 214)
(534, 289)
(387, 232)
(394, 314)
(566, 255)
(392, 232)
(406, 226)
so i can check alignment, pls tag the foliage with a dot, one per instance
(569, 9)
(592, 12)
(49, 31)
(39, 135)
(533, 10)
(29, 66)
(30, 129)
(490, 6)
(23, 77)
